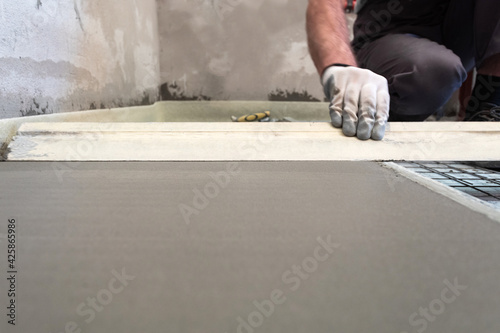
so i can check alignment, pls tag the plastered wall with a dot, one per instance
(236, 49)
(66, 55)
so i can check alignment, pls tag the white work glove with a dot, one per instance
(359, 101)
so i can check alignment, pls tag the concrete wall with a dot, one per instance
(235, 49)
(65, 55)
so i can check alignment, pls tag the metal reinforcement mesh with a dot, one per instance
(479, 182)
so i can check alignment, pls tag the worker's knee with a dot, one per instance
(427, 84)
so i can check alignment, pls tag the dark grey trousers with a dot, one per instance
(425, 48)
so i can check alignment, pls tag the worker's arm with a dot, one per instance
(359, 98)
(327, 34)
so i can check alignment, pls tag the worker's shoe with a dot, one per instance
(488, 112)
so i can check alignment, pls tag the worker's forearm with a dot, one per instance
(327, 34)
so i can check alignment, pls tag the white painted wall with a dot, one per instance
(65, 55)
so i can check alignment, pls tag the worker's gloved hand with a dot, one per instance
(359, 101)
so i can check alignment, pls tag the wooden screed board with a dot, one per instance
(251, 142)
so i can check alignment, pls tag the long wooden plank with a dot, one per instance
(250, 142)
(75, 127)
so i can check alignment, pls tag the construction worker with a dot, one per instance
(407, 56)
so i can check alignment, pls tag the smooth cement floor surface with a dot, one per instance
(241, 247)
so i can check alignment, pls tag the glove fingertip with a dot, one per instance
(349, 128)
(364, 129)
(363, 135)
(336, 119)
(378, 132)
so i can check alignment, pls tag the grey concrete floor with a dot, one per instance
(275, 247)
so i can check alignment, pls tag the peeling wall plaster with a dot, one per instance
(66, 55)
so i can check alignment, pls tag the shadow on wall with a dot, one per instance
(174, 92)
(293, 96)
(147, 99)
(36, 109)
